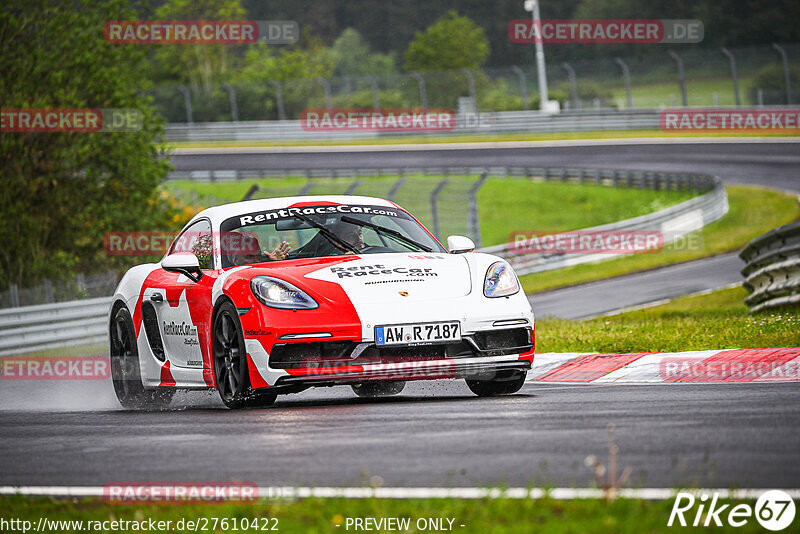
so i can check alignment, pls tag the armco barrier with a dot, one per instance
(32, 328)
(772, 270)
(483, 123)
(673, 222)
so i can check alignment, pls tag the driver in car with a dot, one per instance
(350, 234)
(251, 252)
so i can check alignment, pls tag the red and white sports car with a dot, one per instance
(274, 296)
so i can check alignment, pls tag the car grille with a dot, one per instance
(342, 353)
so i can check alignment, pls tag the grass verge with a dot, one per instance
(718, 320)
(753, 211)
(331, 515)
(504, 204)
(475, 138)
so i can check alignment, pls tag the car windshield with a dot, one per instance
(321, 230)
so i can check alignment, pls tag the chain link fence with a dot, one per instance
(643, 81)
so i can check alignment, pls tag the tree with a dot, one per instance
(454, 42)
(354, 57)
(61, 192)
(296, 68)
(200, 65)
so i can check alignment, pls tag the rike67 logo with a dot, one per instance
(774, 510)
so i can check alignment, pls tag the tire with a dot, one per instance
(374, 389)
(125, 370)
(230, 362)
(506, 383)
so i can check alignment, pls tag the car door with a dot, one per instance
(176, 307)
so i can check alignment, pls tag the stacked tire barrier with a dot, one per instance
(772, 270)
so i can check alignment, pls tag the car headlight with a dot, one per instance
(277, 293)
(500, 281)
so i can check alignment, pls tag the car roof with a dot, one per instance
(217, 214)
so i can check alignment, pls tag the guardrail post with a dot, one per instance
(326, 85)
(473, 223)
(376, 97)
(279, 99)
(785, 59)
(626, 74)
(734, 77)
(48, 291)
(523, 85)
(13, 293)
(681, 77)
(471, 81)
(232, 98)
(187, 102)
(435, 207)
(423, 95)
(573, 82)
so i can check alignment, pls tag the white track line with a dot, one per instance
(427, 492)
(483, 145)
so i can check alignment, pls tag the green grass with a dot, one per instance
(753, 211)
(512, 204)
(323, 515)
(718, 320)
(504, 204)
(483, 138)
(699, 92)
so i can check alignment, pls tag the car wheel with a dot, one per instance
(505, 383)
(378, 389)
(125, 371)
(230, 363)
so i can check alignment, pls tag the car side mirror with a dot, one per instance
(458, 244)
(185, 264)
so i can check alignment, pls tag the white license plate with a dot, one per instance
(417, 334)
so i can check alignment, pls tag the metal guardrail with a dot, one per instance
(44, 326)
(484, 123)
(673, 222)
(772, 270)
(479, 123)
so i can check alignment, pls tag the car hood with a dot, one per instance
(399, 277)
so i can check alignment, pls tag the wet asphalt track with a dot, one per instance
(746, 435)
(432, 435)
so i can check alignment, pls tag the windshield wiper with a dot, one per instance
(387, 231)
(327, 233)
